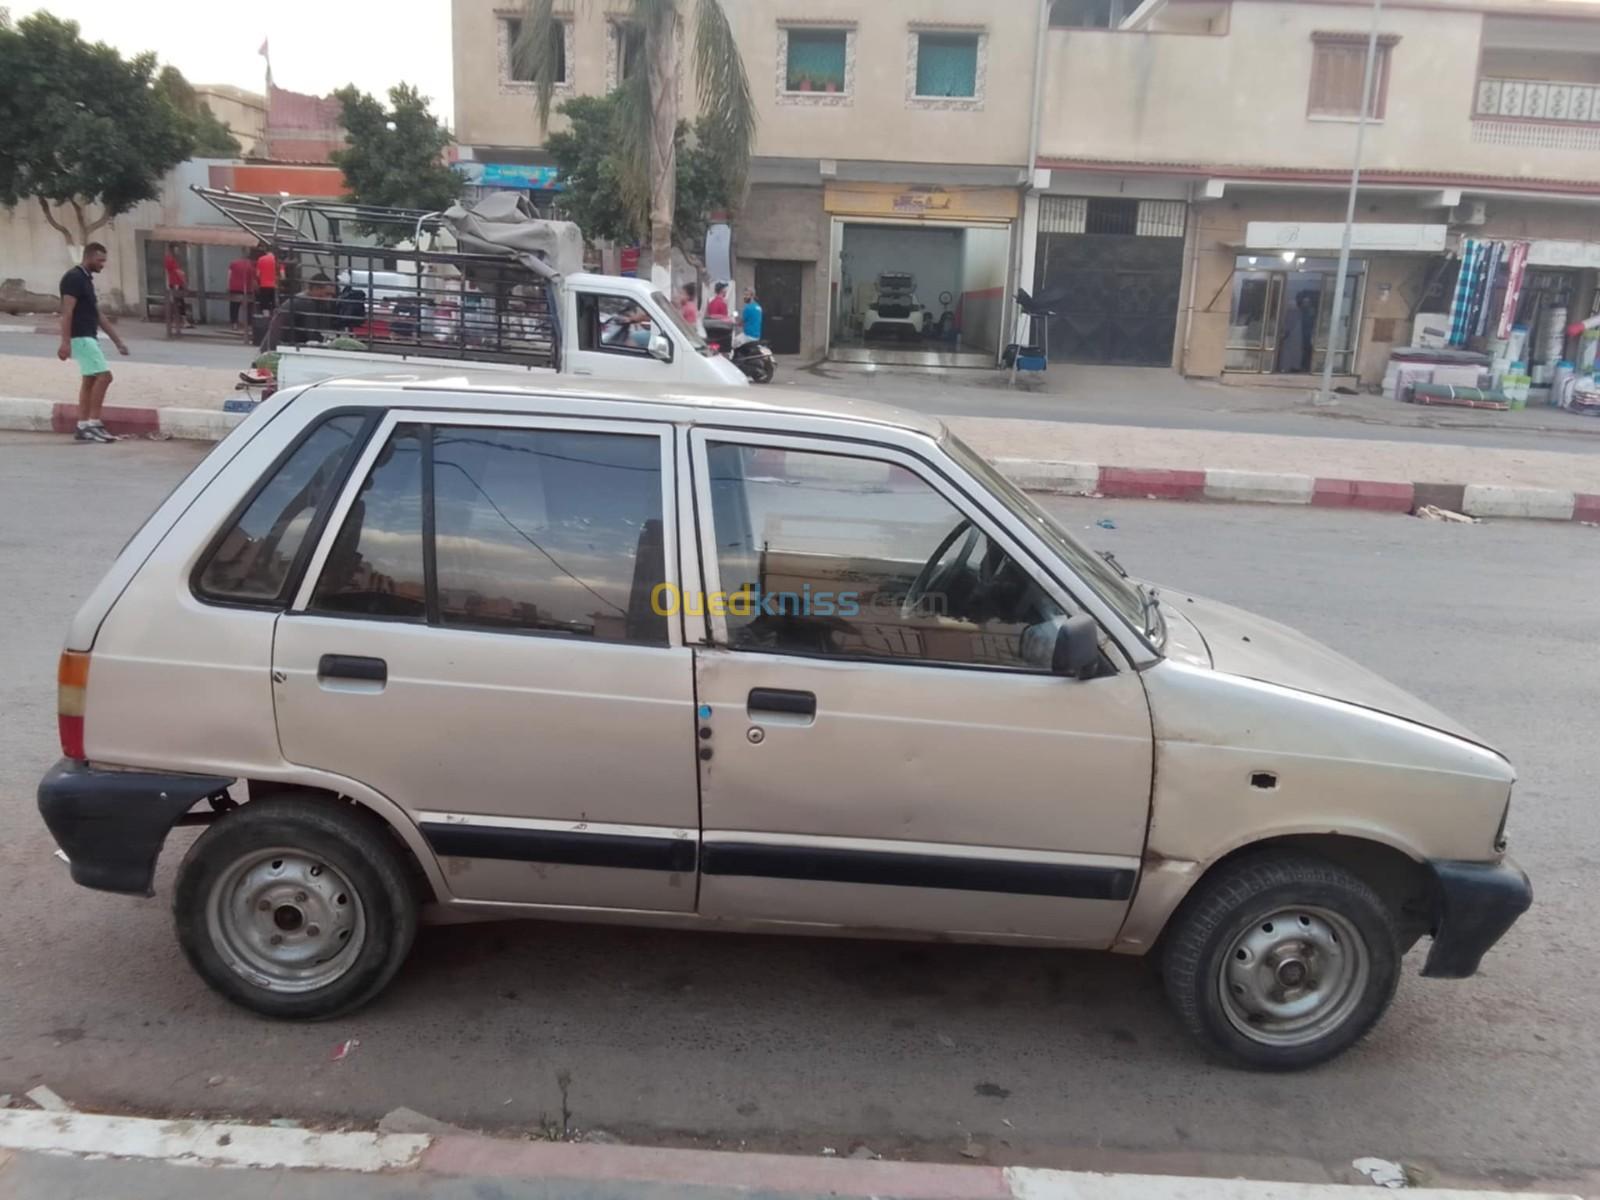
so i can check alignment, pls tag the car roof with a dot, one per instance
(680, 401)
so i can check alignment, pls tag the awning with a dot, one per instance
(203, 235)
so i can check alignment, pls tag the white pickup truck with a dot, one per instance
(363, 290)
(610, 327)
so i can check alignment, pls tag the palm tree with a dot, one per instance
(649, 109)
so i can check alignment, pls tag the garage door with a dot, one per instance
(1118, 267)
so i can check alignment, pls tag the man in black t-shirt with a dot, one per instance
(81, 324)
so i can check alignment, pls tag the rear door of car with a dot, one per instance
(475, 639)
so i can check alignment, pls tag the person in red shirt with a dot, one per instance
(717, 306)
(267, 282)
(177, 284)
(241, 282)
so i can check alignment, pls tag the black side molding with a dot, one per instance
(895, 869)
(571, 847)
(1478, 902)
(111, 824)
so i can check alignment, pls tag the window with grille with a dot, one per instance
(947, 64)
(816, 60)
(1338, 66)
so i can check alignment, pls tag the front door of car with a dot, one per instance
(475, 639)
(888, 746)
(613, 338)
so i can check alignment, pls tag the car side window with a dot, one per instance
(375, 567)
(549, 530)
(252, 562)
(613, 324)
(842, 556)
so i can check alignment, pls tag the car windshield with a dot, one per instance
(1108, 583)
(696, 342)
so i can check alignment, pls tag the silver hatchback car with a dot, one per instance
(440, 648)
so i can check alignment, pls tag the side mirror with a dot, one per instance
(661, 348)
(1077, 650)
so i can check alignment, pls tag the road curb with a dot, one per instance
(238, 1145)
(1218, 485)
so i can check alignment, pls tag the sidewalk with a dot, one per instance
(1050, 455)
(52, 1155)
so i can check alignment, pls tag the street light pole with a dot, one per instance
(1324, 394)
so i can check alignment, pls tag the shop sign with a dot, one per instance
(921, 202)
(523, 176)
(1576, 255)
(1318, 236)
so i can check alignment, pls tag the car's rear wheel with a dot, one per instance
(295, 907)
(1281, 962)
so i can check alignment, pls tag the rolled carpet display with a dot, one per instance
(1458, 397)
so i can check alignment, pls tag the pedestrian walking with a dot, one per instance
(177, 287)
(241, 282)
(81, 324)
(267, 282)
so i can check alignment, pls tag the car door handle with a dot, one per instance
(781, 701)
(353, 667)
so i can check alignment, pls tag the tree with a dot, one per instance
(395, 156)
(648, 129)
(591, 162)
(212, 138)
(80, 127)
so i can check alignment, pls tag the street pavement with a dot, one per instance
(917, 1051)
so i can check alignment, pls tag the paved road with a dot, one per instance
(1036, 1057)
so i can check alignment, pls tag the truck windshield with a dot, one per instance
(696, 342)
(1121, 594)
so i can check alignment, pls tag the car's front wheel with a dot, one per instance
(1281, 962)
(295, 907)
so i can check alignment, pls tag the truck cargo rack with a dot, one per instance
(399, 283)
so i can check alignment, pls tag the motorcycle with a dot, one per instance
(752, 356)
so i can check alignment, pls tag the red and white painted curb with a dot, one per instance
(1281, 487)
(1040, 475)
(237, 1145)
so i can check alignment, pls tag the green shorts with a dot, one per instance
(87, 354)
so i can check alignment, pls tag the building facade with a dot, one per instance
(1197, 219)
(1170, 173)
(892, 143)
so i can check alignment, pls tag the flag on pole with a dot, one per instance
(263, 50)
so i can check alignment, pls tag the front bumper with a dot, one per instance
(1478, 902)
(111, 824)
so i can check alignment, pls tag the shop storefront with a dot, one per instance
(1112, 268)
(918, 274)
(1282, 290)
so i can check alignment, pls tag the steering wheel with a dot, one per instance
(930, 575)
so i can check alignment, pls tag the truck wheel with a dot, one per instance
(1279, 963)
(295, 908)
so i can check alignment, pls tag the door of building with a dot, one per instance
(1119, 296)
(778, 289)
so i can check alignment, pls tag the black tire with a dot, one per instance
(760, 370)
(1223, 910)
(363, 857)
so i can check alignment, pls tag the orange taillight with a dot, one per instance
(72, 688)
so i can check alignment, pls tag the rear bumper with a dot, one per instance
(111, 824)
(1478, 902)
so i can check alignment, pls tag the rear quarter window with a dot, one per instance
(254, 559)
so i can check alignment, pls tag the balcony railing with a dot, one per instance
(1566, 104)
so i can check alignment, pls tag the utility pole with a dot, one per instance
(1324, 394)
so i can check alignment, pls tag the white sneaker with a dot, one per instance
(100, 433)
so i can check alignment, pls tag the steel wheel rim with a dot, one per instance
(1293, 975)
(286, 920)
